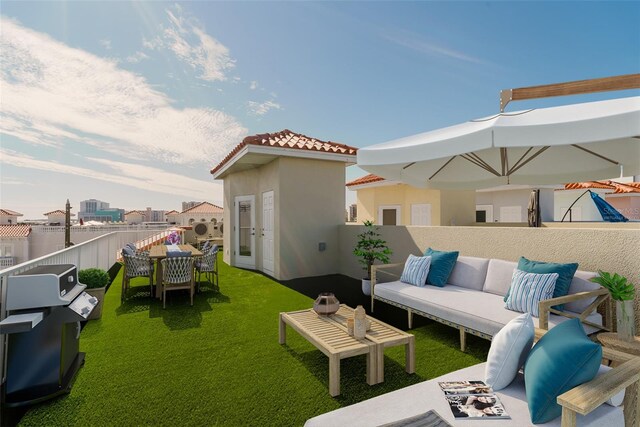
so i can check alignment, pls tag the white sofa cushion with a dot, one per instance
(469, 272)
(499, 273)
(509, 349)
(581, 283)
(480, 311)
(419, 398)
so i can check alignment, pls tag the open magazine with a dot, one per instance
(472, 399)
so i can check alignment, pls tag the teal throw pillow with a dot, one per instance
(563, 359)
(442, 264)
(565, 275)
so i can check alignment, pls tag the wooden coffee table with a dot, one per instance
(329, 335)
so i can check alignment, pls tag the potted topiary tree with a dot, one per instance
(622, 292)
(370, 247)
(96, 280)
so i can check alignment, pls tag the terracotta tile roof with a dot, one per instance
(367, 179)
(204, 207)
(15, 230)
(172, 212)
(57, 212)
(7, 212)
(135, 212)
(288, 139)
(617, 187)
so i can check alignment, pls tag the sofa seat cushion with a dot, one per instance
(581, 283)
(421, 397)
(480, 311)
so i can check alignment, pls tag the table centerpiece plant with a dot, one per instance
(370, 248)
(622, 292)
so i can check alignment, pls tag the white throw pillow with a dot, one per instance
(509, 349)
(416, 269)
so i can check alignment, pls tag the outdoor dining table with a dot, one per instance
(158, 253)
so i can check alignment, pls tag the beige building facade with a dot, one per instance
(393, 203)
(283, 200)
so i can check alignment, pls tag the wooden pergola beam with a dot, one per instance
(578, 87)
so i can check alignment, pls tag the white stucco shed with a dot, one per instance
(283, 200)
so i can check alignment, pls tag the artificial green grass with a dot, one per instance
(219, 362)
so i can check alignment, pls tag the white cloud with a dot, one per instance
(137, 57)
(253, 85)
(129, 174)
(14, 181)
(187, 39)
(53, 93)
(415, 42)
(105, 43)
(262, 108)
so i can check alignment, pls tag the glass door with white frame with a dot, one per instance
(245, 231)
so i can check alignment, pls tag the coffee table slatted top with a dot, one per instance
(330, 334)
(379, 333)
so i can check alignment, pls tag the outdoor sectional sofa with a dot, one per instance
(472, 301)
(582, 406)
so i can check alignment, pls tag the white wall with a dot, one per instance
(587, 209)
(45, 240)
(510, 198)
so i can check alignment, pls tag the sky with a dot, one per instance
(133, 103)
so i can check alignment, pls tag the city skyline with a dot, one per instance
(134, 103)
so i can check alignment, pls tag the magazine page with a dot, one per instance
(465, 387)
(472, 399)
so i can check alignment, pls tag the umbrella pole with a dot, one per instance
(574, 202)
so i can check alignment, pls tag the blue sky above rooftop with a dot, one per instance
(134, 103)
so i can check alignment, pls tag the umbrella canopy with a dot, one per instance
(608, 212)
(543, 146)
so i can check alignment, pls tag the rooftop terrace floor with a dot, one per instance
(219, 362)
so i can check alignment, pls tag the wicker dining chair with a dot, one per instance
(135, 265)
(208, 264)
(177, 273)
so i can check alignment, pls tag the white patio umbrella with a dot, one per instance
(555, 145)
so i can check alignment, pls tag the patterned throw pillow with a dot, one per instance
(528, 289)
(415, 270)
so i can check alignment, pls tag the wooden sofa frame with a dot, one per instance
(601, 296)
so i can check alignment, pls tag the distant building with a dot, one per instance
(202, 212)
(155, 215)
(388, 202)
(14, 244)
(173, 216)
(108, 215)
(623, 196)
(135, 217)
(189, 205)
(56, 217)
(9, 217)
(88, 208)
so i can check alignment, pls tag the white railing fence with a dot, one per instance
(93, 228)
(100, 252)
